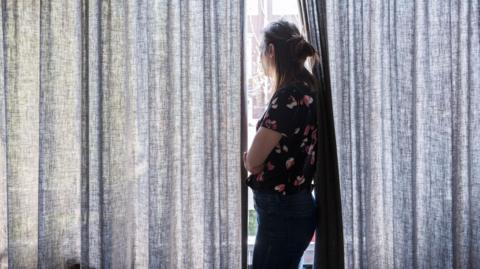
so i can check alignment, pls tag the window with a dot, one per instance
(258, 14)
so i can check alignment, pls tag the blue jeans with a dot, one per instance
(286, 224)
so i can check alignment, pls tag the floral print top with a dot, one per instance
(291, 164)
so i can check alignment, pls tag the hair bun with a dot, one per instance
(301, 48)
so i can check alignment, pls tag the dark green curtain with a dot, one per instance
(329, 233)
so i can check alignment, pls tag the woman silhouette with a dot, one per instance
(281, 159)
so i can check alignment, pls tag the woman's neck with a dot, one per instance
(273, 87)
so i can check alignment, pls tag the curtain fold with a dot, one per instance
(405, 82)
(120, 134)
(329, 249)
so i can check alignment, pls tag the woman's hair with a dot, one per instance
(291, 51)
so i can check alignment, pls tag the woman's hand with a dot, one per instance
(253, 170)
(263, 143)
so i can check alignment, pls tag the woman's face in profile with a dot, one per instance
(265, 58)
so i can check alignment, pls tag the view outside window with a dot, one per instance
(258, 14)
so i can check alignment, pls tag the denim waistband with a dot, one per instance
(281, 197)
(298, 204)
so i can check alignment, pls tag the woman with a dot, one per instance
(281, 159)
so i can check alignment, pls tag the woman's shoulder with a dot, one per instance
(295, 89)
(293, 96)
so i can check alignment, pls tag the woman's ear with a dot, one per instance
(271, 50)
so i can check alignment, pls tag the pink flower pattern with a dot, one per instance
(307, 100)
(299, 180)
(280, 188)
(290, 162)
(271, 124)
(260, 176)
(270, 166)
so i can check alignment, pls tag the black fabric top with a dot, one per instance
(290, 166)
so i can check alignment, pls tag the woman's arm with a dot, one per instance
(263, 143)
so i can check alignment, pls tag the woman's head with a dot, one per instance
(283, 54)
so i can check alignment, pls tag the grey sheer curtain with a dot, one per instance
(120, 134)
(406, 93)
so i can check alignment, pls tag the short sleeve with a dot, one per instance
(281, 113)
